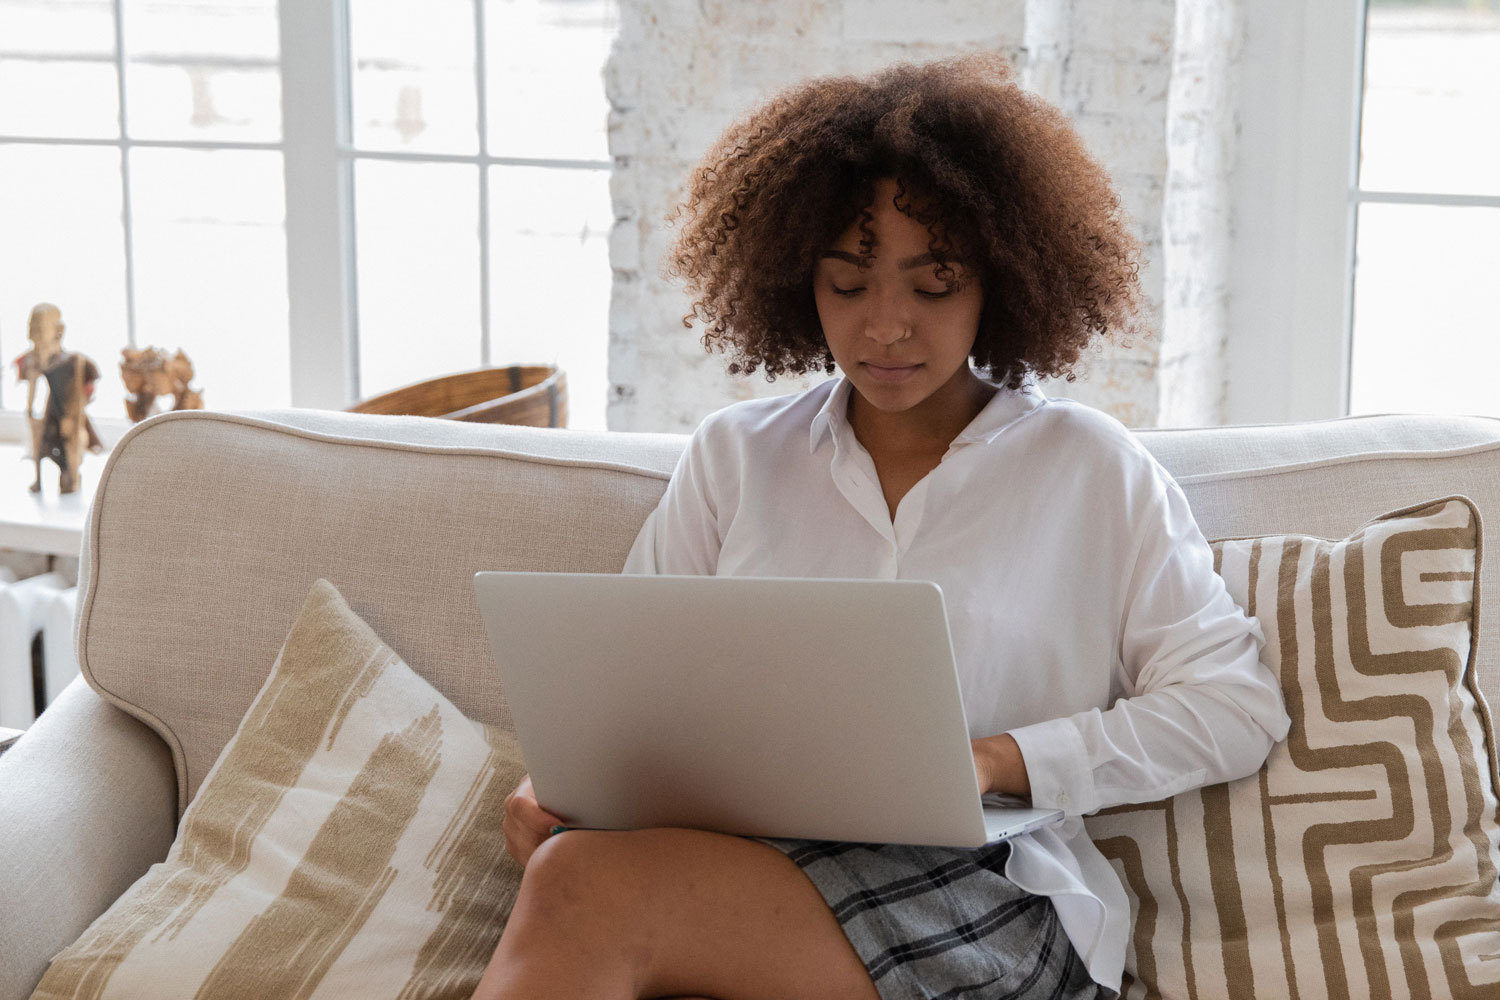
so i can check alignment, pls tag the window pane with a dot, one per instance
(418, 245)
(203, 69)
(65, 244)
(414, 79)
(544, 62)
(550, 280)
(1426, 336)
(210, 269)
(59, 27)
(59, 54)
(1431, 94)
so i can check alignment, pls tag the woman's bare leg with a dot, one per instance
(670, 913)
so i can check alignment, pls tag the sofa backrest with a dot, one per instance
(209, 529)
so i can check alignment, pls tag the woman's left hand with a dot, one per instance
(1000, 767)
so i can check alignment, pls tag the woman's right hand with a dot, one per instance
(526, 823)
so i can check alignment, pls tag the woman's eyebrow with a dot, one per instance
(905, 265)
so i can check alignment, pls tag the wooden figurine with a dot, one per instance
(149, 373)
(63, 431)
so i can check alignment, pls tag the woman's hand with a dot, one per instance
(526, 823)
(999, 766)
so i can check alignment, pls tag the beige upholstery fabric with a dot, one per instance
(1361, 859)
(647, 451)
(208, 530)
(1195, 451)
(87, 804)
(211, 527)
(346, 843)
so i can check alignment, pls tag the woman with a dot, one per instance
(941, 239)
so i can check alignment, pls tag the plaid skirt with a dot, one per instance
(941, 922)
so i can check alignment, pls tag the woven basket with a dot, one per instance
(534, 395)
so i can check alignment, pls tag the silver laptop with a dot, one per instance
(824, 709)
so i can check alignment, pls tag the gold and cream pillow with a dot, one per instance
(346, 843)
(1361, 860)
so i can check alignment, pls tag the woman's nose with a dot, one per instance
(886, 322)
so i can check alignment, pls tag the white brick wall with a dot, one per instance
(1195, 218)
(1135, 75)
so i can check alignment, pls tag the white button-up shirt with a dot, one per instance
(1086, 617)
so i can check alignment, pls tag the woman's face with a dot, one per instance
(899, 334)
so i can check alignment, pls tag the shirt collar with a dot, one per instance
(832, 415)
(1004, 408)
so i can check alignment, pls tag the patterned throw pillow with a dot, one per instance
(1361, 860)
(346, 843)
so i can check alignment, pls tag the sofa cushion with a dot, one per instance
(1361, 859)
(347, 841)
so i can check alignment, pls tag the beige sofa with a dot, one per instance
(209, 529)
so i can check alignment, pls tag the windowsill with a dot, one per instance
(47, 522)
(15, 430)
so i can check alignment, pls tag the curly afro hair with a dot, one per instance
(999, 177)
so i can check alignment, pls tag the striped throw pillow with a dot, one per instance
(346, 843)
(1361, 860)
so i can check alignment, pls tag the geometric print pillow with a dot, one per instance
(1361, 860)
(346, 843)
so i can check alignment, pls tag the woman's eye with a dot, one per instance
(924, 293)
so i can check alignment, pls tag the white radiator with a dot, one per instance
(38, 607)
(59, 662)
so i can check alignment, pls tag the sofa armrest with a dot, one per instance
(88, 802)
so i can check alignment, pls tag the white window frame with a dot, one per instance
(315, 113)
(13, 424)
(1294, 201)
(320, 157)
(318, 163)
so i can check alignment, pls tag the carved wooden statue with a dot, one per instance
(150, 373)
(63, 430)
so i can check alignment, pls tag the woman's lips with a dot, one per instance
(890, 373)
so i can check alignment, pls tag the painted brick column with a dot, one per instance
(1107, 64)
(1202, 130)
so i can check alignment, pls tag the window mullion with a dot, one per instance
(1426, 198)
(319, 202)
(482, 85)
(127, 216)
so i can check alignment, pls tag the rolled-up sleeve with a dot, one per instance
(1199, 706)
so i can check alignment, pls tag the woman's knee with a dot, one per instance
(580, 873)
